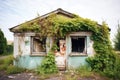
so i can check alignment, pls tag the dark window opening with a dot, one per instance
(58, 44)
(39, 44)
(78, 44)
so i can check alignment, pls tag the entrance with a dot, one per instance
(60, 55)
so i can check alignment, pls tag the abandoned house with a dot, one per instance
(73, 48)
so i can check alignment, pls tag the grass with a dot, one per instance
(82, 73)
(6, 64)
(13, 70)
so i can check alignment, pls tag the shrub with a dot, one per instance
(107, 64)
(116, 70)
(48, 65)
(13, 70)
(10, 48)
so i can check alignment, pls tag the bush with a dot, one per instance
(116, 70)
(3, 43)
(107, 64)
(13, 70)
(48, 65)
(10, 48)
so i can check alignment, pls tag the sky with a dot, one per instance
(14, 12)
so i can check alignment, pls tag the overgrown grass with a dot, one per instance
(6, 64)
(47, 76)
(75, 73)
(13, 70)
(84, 71)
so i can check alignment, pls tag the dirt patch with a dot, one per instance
(20, 76)
(32, 76)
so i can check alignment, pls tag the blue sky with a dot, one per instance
(14, 12)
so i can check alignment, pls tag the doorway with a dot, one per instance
(60, 55)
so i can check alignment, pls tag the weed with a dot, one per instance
(13, 70)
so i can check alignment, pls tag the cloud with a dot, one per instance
(13, 12)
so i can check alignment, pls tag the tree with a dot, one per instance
(117, 39)
(3, 43)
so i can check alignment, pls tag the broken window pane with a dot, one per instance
(39, 45)
(78, 44)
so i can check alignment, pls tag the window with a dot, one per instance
(78, 44)
(38, 45)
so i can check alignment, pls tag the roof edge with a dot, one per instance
(59, 10)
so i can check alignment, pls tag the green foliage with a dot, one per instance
(3, 67)
(54, 47)
(116, 69)
(1, 61)
(3, 43)
(9, 60)
(117, 39)
(29, 26)
(59, 26)
(13, 70)
(105, 60)
(84, 71)
(48, 65)
(6, 64)
(10, 48)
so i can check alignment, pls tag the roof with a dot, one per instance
(58, 11)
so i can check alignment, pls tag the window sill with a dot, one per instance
(38, 54)
(77, 54)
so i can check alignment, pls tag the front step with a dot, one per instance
(62, 68)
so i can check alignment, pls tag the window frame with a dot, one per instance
(77, 52)
(80, 34)
(42, 53)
